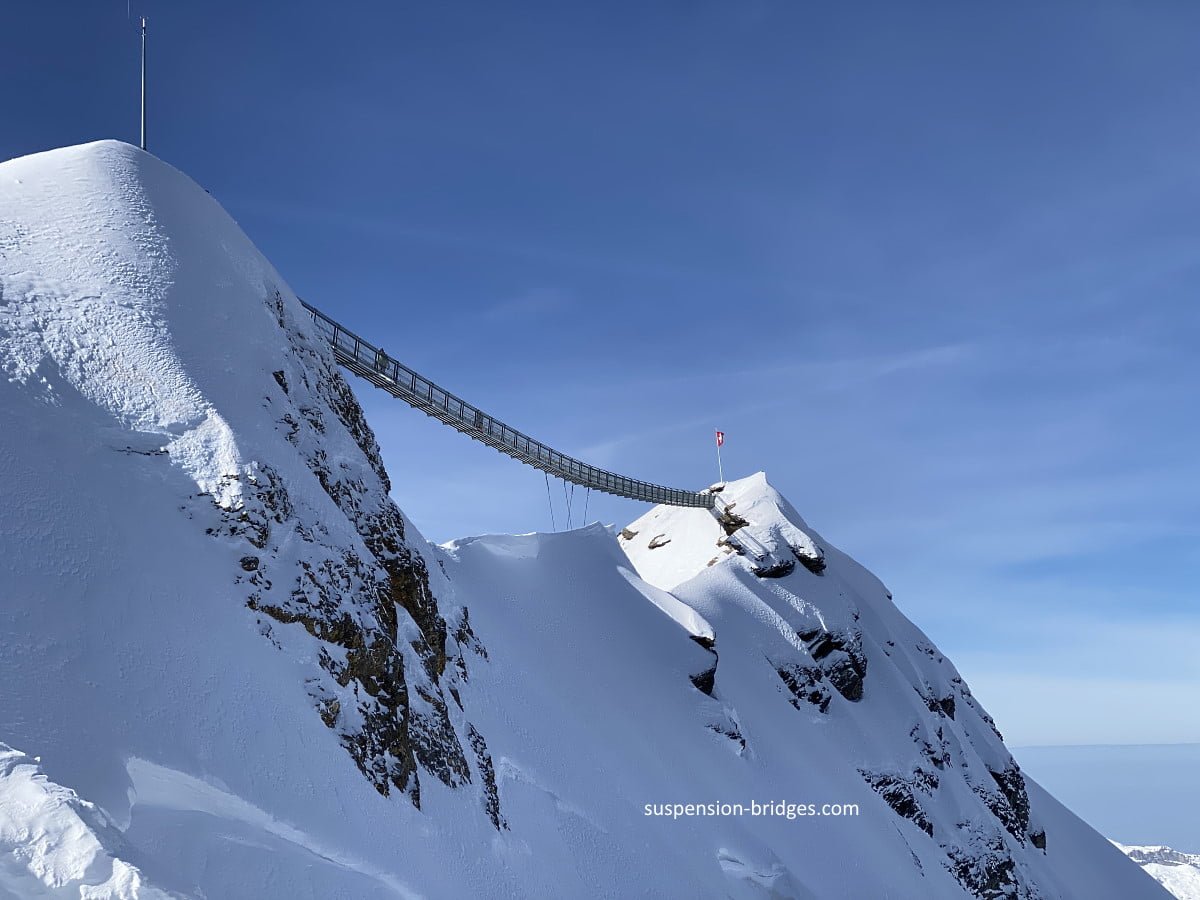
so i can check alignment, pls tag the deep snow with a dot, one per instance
(198, 563)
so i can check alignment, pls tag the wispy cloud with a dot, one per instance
(535, 302)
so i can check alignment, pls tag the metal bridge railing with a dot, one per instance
(366, 360)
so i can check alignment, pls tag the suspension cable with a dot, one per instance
(550, 500)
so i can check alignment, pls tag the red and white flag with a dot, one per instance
(720, 438)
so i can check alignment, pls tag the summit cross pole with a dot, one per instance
(720, 468)
(143, 143)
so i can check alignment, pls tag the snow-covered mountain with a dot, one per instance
(232, 668)
(1178, 872)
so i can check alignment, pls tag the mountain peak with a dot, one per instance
(246, 674)
(751, 522)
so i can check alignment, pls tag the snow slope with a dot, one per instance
(246, 675)
(1178, 872)
(54, 844)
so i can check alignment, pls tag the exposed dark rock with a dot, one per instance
(938, 754)
(805, 684)
(293, 427)
(731, 521)
(155, 452)
(329, 708)
(408, 585)
(465, 637)
(382, 747)
(775, 570)
(251, 518)
(732, 733)
(391, 717)
(900, 794)
(984, 866)
(814, 564)
(1164, 856)
(627, 534)
(943, 706)
(1013, 810)
(841, 658)
(846, 675)
(331, 387)
(705, 681)
(660, 540)
(313, 417)
(989, 877)
(341, 399)
(491, 795)
(1038, 839)
(925, 781)
(434, 741)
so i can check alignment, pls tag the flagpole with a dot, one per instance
(720, 468)
(143, 141)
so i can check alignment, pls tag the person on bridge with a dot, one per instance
(381, 360)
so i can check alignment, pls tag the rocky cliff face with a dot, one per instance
(381, 679)
(150, 352)
(283, 459)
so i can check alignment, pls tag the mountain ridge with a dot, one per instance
(233, 646)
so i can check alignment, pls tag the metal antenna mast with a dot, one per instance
(143, 145)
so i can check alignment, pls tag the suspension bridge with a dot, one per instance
(370, 362)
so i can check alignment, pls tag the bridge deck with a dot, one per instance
(359, 356)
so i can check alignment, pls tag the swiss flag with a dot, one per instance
(720, 438)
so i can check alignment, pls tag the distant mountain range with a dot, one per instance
(1178, 872)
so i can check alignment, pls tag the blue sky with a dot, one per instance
(932, 266)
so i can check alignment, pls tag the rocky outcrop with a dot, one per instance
(730, 521)
(935, 750)
(900, 792)
(384, 645)
(491, 794)
(1010, 802)
(705, 681)
(805, 684)
(841, 659)
(984, 865)
(838, 660)
(777, 555)
(1163, 856)
(775, 569)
